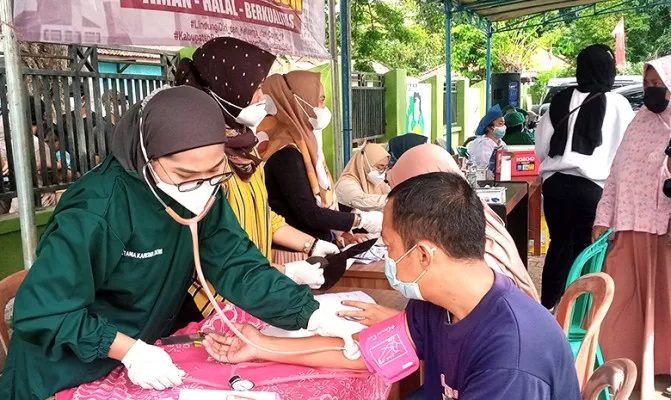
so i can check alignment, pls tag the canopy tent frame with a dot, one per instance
(580, 12)
(490, 16)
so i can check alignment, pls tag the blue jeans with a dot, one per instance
(416, 395)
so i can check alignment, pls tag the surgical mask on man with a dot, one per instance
(193, 200)
(499, 132)
(322, 117)
(409, 290)
(655, 99)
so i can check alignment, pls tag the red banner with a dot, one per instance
(294, 27)
(262, 12)
(618, 34)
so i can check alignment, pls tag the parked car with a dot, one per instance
(556, 85)
(633, 93)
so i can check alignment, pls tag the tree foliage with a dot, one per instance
(411, 34)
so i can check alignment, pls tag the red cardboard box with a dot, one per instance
(523, 160)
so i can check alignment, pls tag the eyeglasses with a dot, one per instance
(194, 184)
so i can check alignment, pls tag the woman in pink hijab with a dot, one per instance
(638, 325)
(500, 250)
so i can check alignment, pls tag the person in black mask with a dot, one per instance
(638, 324)
(576, 141)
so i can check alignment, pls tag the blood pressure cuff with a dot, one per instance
(387, 350)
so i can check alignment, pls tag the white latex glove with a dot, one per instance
(150, 367)
(325, 322)
(304, 273)
(324, 248)
(371, 221)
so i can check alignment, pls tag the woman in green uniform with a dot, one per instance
(516, 131)
(113, 267)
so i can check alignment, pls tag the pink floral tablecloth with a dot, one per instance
(290, 382)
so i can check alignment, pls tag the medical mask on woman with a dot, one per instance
(499, 132)
(655, 100)
(194, 200)
(322, 117)
(409, 290)
(250, 116)
(375, 176)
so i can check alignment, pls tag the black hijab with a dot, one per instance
(233, 70)
(170, 116)
(595, 74)
(400, 144)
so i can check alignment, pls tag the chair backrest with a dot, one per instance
(8, 288)
(601, 287)
(618, 374)
(589, 261)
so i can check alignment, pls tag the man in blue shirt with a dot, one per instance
(479, 336)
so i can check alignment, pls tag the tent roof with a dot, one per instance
(501, 10)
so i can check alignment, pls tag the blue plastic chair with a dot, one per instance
(589, 261)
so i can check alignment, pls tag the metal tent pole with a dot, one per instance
(335, 91)
(488, 78)
(345, 58)
(448, 75)
(20, 134)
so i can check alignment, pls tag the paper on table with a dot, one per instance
(330, 302)
(199, 394)
(376, 253)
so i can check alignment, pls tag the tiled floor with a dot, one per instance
(536, 272)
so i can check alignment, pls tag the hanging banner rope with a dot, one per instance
(293, 27)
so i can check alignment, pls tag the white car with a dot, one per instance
(556, 85)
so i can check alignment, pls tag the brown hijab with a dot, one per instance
(500, 248)
(232, 70)
(291, 126)
(360, 165)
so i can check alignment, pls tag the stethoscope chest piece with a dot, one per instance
(240, 385)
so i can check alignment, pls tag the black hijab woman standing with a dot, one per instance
(576, 142)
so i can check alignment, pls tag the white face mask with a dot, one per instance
(375, 176)
(194, 200)
(323, 118)
(250, 116)
(322, 115)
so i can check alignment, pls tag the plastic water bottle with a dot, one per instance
(471, 174)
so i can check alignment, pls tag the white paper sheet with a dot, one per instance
(331, 303)
(198, 394)
(376, 253)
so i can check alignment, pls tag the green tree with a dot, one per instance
(411, 34)
(382, 33)
(648, 33)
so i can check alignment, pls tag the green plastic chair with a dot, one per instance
(589, 261)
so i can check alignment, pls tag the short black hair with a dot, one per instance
(440, 207)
